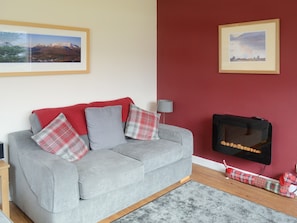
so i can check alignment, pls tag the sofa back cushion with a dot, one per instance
(75, 114)
(105, 127)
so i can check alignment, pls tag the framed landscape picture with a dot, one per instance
(42, 49)
(250, 47)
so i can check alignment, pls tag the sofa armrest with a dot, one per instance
(179, 135)
(53, 180)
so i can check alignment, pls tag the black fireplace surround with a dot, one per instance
(248, 138)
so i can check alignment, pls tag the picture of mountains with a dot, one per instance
(36, 48)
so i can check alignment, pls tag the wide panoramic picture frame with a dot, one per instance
(250, 47)
(42, 49)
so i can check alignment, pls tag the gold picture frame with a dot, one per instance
(250, 47)
(42, 49)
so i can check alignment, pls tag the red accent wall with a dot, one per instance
(188, 74)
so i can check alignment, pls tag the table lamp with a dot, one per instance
(165, 106)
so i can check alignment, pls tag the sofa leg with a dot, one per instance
(184, 180)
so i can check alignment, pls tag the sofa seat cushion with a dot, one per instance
(153, 154)
(104, 170)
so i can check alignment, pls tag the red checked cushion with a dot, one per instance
(142, 124)
(60, 138)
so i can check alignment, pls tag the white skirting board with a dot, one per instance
(208, 163)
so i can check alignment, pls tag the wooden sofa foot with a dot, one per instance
(186, 179)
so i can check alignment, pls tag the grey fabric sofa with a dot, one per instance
(50, 189)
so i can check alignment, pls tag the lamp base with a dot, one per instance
(163, 114)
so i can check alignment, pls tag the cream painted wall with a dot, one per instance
(122, 57)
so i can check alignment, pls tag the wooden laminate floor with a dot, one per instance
(211, 178)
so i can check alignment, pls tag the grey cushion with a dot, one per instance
(102, 171)
(105, 128)
(153, 154)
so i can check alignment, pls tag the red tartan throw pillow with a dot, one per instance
(60, 138)
(142, 124)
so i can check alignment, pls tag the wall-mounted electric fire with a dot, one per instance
(248, 138)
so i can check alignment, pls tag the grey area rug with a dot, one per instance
(194, 202)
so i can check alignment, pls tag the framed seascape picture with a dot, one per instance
(250, 47)
(42, 49)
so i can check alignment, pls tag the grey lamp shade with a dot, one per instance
(165, 106)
